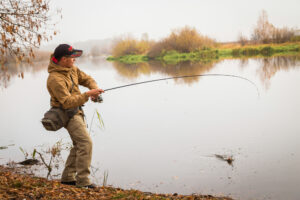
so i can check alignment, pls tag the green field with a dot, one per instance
(215, 53)
(130, 59)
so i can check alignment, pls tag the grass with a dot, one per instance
(101, 122)
(130, 59)
(173, 57)
(221, 52)
(266, 50)
(105, 178)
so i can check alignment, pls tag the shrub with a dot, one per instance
(235, 52)
(295, 38)
(130, 46)
(183, 40)
(249, 51)
(267, 51)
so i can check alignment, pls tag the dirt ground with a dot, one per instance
(14, 185)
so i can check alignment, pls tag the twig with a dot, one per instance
(47, 165)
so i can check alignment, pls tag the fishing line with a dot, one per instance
(186, 76)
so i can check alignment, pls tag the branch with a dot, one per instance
(21, 25)
(19, 14)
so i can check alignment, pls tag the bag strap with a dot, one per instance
(72, 83)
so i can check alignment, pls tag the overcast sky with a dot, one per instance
(222, 20)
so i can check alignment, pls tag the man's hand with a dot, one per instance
(94, 92)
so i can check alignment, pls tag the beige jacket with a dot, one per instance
(59, 85)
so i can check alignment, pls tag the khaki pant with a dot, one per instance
(79, 160)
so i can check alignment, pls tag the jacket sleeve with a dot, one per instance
(86, 80)
(61, 93)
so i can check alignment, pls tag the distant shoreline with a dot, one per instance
(224, 51)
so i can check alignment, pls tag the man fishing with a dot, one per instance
(62, 84)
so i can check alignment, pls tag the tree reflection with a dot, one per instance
(12, 70)
(244, 62)
(133, 71)
(268, 67)
(4, 78)
(271, 65)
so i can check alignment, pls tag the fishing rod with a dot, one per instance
(186, 76)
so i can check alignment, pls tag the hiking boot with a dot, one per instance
(68, 183)
(91, 186)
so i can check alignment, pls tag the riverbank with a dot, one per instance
(227, 51)
(15, 185)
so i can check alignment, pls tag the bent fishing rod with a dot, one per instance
(186, 76)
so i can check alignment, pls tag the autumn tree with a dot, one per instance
(265, 32)
(24, 24)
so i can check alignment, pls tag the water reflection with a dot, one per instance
(244, 62)
(269, 66)
(132, 71)
(179, 69)
(12, 70)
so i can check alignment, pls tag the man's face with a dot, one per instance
(67, 61)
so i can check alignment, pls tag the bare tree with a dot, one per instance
(264, 29)
(242, 39)
(282, 34)
(265, 32)
(24, 24)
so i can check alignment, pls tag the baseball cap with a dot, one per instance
(66, 50)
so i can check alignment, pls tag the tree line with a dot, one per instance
(188, 39)
(265, 32)
(182, 40)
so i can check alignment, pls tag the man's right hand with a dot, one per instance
(94, 92)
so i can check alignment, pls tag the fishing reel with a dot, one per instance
(99, 99)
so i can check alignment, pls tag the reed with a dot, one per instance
(105, 178)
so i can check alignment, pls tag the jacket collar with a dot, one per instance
(53, 67)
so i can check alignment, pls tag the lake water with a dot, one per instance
(162, 137)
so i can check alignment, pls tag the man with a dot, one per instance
(62, 85)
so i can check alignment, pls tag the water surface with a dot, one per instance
(162, 137)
